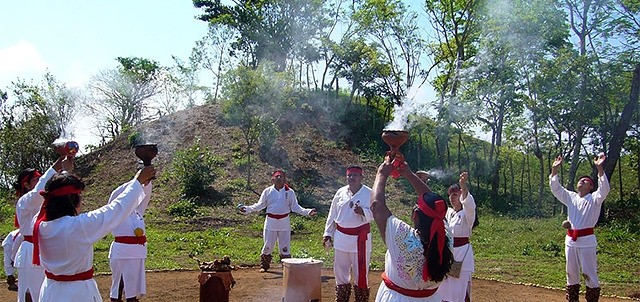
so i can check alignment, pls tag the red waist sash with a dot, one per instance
(362, 232)
(28, 238)
(415, 293)
(67, 278)
(131, 239)
(574, 234)
(277, 216)
(460, 241)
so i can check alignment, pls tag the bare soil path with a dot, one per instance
(267, 287)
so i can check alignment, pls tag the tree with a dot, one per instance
(120, 95)
(213, 53)
(455, 23)
(394, 32)
(254, 100)
(31, 117)
(269, 30)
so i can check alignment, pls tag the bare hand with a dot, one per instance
(464, 177)
(146, 174)
(67, 163)
(358, 209)
(242, 209)
(386, 167)
(313, 212)
(325, 239)
(557, 162)
(598, 161)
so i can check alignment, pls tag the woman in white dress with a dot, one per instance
(65, 238)
(418, 258)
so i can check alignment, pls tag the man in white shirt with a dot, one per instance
(583, 211)
(348, 230)
(279, 200)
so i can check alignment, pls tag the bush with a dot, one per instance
(195, 168)
(183, 208)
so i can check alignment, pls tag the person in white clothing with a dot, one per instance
(128, 251)
(583, 211)
(348, 230)
(417, 258)
(29, 183)
(279, 200)
(64, 236)
(9, 249)
(460, 220)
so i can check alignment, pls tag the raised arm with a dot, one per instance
(603, 183)
(378, 200)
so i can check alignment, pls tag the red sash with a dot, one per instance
(415, 293)
(28, 238)
(131, 239)
(362, 232)
(67, 278)
(574, 234)
(460, 241)
(277, 216)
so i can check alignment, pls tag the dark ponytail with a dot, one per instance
(437, 271)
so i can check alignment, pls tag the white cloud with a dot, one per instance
(21, 60)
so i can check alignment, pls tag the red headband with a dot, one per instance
(352, 170)
(588, 179)
(276, 173)
(437, 227)
(42, 215)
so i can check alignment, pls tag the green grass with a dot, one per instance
(529, 251)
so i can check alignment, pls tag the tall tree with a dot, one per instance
(268, 30)
(120, 95)
(253, 100)
(32, 116)
(455, 24)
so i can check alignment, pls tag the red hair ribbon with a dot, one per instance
(354, 170)
(42, 215)
(437, 226)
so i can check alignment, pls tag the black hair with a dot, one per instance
(437, 271)
(60, 206)
(19, 184)
(456, 187)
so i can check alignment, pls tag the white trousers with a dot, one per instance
(455, 289)
(344, 263)
(582, 259)
(31, 279)
(282, 237)
(8, 262)
(132, 273)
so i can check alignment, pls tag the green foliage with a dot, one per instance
(183, 208)
(31, 118)
(195, 169)
(134, 138)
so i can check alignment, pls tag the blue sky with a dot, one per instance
(74, 39)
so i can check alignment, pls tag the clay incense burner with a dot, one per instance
(146, 153)
(395, 139)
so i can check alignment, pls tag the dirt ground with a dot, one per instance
(253, 286)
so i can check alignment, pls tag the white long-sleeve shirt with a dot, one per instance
(27, 208)
(127, 227)
(278, 202)
(460, 224)
(66, 243)
(582, 212)
(342, 213)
